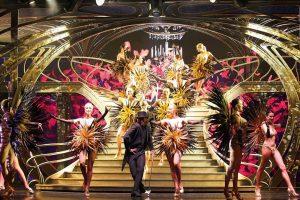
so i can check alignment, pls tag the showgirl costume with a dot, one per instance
(161, 110)
(202, 65)
(256, 117)
(228, 130)
(90, 135)
(20, 129)
(225, 128)
(173, 138)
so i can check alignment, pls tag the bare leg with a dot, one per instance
(91, 159)
(6, 152)
(1, 181)
(177, 165)
(229, 173)
(173, 174)
(22, 175)
(237, 164)
(266, 154)
(82, 158)
(120, 134)
(161, 161)
(281, 165)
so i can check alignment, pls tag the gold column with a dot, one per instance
(63, 129)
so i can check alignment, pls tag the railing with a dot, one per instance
(36, 167)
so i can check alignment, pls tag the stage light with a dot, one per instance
(156, 8)
(100, 2)
(31, 3)
(213, 1)
(53, 6)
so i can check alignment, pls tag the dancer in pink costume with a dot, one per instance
(268, 150)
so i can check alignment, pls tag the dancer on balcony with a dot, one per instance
(269, 150)
(230, 128)
(89, 138)
(173, 137)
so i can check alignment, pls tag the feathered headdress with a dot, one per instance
(25, 129)
(161, 110)
(219, 121)
(254, 113)
(184, 95)
(123, 114)
(140, 78)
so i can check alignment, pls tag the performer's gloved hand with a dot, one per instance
(134, 151)
(40, 126)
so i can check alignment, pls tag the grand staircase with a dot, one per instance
(199, 171)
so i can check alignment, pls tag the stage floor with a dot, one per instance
(276, 194)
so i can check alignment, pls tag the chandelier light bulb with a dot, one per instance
(100, 2)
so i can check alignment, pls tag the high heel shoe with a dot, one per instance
(292, 193)
(257, 192)
(181, 190)
(237, 195)
(177, 193)
(30, 190)
(227, 195)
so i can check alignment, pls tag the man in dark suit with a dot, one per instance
(136, 140)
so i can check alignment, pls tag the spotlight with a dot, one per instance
(100, 2)
(213, 1)
(53, 6)
(156, 8)
(31, 3)
(155, 12)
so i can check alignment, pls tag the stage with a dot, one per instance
(278, 194)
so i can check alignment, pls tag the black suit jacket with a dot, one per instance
(137, 137)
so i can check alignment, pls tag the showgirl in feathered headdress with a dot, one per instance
(228, 132)
(89, 138)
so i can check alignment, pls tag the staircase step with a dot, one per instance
(194, 163)
(191, 157)
(157, 169)
(113, 144)
(155, 176)
(113, 150)
(154, 183)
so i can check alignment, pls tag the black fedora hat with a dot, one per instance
(142, 114)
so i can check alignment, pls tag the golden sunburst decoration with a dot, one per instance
(169, 140)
